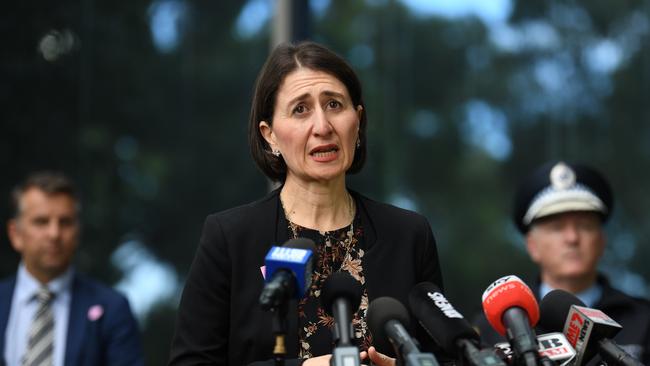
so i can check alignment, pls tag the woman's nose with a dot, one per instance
(322, 126)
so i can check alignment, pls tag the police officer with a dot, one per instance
(560, 209)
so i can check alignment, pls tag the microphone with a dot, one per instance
(387, 319)
(448, 327)
(288, 272)
(588, 330)
(510, 307)
(554, 309)
(341, 297)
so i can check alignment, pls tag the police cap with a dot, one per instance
(558, 187)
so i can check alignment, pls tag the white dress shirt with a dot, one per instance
(23, 308)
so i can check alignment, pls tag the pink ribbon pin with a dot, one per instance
(95, 312)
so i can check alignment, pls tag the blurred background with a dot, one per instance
(145, 104)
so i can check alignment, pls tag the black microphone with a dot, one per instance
(341, 296)
(387, 319)
(554, 309)
(448, 327)
(588, 330)
(288, 272)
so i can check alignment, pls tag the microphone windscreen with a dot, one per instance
(554, 309)
(443, 323)
(341, 285)
(505, 293)
(380, 311)
(296, 255)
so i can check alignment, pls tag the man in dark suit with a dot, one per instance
(560, 209)
(49, 314)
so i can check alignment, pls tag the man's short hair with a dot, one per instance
(50, 182)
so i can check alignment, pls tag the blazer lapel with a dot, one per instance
(77, 323)
(6, 296)
(369, 231)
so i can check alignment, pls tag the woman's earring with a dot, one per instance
(358, 142)
(276, 153)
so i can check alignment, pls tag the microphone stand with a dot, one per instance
(473, 356)
(345, 353)
(279, 328)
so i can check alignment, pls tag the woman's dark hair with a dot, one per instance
(284, 59)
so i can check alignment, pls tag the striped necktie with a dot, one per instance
(41, 334)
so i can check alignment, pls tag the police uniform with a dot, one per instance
(559, 187)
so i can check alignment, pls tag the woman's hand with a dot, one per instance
(377, 358)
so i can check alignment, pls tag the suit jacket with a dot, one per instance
(111, 339)
(630, 312)
(220, 320)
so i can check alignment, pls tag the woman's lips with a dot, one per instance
(324, 149)
(325, 153)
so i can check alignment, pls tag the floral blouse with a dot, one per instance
(338, 250)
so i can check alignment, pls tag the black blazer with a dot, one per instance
(219, 319)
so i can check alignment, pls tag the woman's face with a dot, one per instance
(315, 126)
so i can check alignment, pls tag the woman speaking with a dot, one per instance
(307, 131)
